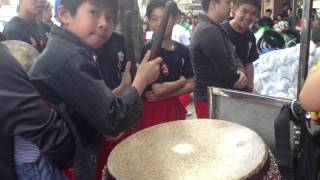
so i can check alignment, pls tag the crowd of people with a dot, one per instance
(62, 118)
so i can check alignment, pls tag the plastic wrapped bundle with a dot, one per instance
(276, 72)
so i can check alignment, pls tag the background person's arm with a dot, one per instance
(310, 93)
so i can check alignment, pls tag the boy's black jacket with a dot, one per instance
(67, 73)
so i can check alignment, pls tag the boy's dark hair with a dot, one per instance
(153, 4)
(73, 5)
(255, 3)
(268, 10)
(205, 4)
(266, 21)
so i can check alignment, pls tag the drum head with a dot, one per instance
(189, 150)
(23, 52)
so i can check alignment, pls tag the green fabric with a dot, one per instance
(185, 25)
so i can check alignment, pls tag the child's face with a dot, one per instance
(245, 15)
(34, 7)
(222, 9)
(92, 24)
(47, 14)
(155, 21)
(279, 18)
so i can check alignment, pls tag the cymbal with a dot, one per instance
(203, 149)
(23, 52)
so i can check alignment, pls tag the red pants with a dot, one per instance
(161, 111)
(105, 149)
(69, 173)
(201, 107)
(184, 99)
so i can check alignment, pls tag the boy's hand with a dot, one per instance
(149, 70)
(126, 76)
(183, 79)
(150, 96)
(242, 82)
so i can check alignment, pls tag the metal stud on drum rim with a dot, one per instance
(189, 149)
(23, 52)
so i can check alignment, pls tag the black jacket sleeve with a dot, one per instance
(16, 35)
(24, 113)
(80, 85)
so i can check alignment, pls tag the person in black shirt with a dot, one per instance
(25, 27)
(47, 14)
(116, 74)
(212, 55)
(161, 103)
(112, 60)
(246, 12)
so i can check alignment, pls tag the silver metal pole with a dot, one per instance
(294, 8)
(305, 43)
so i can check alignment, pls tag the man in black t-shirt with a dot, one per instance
(25, 26)
(246, 12)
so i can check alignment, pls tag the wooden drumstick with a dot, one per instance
(130, 55)
(156, 44)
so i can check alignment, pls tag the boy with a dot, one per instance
(212, 55)
(245, 13)
(25, 27)
(268, 13)
(35, 141)
(161, 103)
(47, 13)
(67, 73)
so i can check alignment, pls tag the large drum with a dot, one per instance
(192, 150)
(24, 53)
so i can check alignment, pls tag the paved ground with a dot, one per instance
(191, 109)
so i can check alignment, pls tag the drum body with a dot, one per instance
(193, 150)
(24, 53)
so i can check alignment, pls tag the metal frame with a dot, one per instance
(304, 44)
(267, 100)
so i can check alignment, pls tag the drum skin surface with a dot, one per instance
(189, 150)
(22, 51)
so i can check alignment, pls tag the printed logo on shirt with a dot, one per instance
(94, 57)
(33, 42)
(182, 63)
(164, 69)
(120, 60)
(43, 44)
(249, 48)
